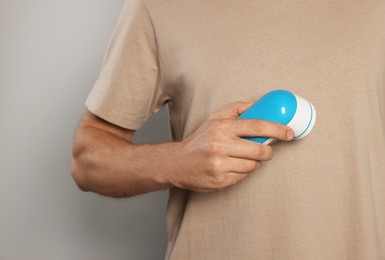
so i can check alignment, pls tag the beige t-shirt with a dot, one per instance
(322, 197)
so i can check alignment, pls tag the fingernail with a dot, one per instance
(290, 134)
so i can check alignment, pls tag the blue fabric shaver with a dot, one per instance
(283, 107)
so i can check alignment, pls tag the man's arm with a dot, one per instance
(214, 157)
(105, 161)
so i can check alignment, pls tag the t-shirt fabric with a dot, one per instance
(321, 197)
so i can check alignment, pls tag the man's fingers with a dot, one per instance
(241, 166)
(248, 150)
(260, 128)
(231, 111)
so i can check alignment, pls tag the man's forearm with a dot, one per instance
(107, 164)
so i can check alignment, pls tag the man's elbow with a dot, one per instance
(79, 176)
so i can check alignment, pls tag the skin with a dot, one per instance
(212, 158)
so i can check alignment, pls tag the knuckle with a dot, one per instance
(259, 149)
(213, 149)
(253, 165)
(256, 127)
(214, 128)
(220, 181)
(213, 165)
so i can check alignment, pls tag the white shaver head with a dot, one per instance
(304, 118)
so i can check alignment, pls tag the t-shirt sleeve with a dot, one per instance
(129, 88)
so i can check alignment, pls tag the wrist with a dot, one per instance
(166, 163)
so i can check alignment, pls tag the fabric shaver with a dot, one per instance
(282, 107)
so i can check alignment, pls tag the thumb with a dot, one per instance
(231, 111)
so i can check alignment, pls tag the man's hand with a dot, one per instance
(215, 156)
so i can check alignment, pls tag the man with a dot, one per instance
(317, 198)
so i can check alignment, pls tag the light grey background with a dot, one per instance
(50, 56)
